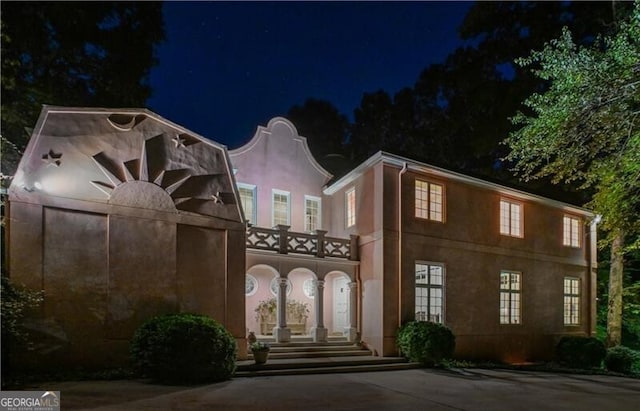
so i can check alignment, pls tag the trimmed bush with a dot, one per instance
(580, 352)
(426, 342)
(621, 359)
(183, 348)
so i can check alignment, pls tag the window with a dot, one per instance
(248, 200)
(510, 287)
(571, 301)
(429, 202)
(510, 218)
(309, 288)
(280, 209)
(571, 231)
(311, 213)
(250, 285)
(429, 296)
(350, 200)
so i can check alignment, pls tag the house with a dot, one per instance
(122, 215)
(509, 272)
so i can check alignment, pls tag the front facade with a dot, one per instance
(120, 215)
(507, 271)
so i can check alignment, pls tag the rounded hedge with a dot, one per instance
(621, 359)
(183, 348)
(580, 352)
(426, 342)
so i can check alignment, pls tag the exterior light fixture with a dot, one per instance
(37, 185)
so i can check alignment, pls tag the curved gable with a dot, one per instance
(280, 140)
(125, 157)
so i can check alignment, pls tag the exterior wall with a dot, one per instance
(277, 158)
(109, 260)
(473, 252)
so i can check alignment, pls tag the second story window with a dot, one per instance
(429, 200)
(571, 231)
(311, 213)
(280, 207)
(511, 218)
(248, 200)
(350, 206)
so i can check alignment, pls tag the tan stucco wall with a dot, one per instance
(107, 261)
(278, 158)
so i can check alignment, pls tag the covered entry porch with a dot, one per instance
(294, 296)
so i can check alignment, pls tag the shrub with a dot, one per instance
(183, 348)
(580, 352)
(621, 359)
(426, 342)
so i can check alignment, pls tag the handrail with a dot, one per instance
(317, 244)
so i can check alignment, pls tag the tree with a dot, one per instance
(325, 128)
(68, 53)
(585, 128)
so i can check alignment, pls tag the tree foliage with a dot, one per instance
(68, 53)
(584, 128)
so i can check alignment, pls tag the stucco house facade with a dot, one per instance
(120, 215)
(509, 272)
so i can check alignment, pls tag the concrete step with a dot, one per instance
(316, 354)
(322, 366)
(312, 344)
(315, 348)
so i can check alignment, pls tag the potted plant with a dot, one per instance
(260, 352)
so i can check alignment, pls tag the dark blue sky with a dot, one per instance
(227, 67)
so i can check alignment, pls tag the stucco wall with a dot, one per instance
(161, 233)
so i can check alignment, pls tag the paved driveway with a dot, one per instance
(392, 390)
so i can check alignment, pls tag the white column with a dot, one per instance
(281, 332)
(351, 331)
(319, 332)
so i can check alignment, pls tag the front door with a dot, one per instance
(340, 304)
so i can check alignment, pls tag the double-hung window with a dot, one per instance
(281, 207)
(571, 301)
(571, 231)
(510, 301)
(429, 200)
(429, 292)
(312, 212)
(350, 207)
(247, 194)
(511, 218)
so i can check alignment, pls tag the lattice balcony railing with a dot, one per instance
(283, 241)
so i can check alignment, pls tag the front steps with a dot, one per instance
(306, 357)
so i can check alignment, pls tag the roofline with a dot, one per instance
(47, 109)
(262, 130)
(414, 165)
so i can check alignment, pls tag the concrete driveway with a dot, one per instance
(392, 390)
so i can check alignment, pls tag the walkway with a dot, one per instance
(394, 391)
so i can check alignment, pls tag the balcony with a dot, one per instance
(283, 241)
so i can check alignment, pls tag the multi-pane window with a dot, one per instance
(280, 207)
(510, 291)
(248, 200)
(350, 205)
(429, 292)
(311, 213)
(510, 218)
(571, 301)
(429, 200)
(571, 231)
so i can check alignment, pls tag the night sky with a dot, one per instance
(228, 67)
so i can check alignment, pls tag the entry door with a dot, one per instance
(340, 304)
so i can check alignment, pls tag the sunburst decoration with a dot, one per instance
(188, 192)
(52, 159)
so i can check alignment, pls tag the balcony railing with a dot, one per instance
(283, 241)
